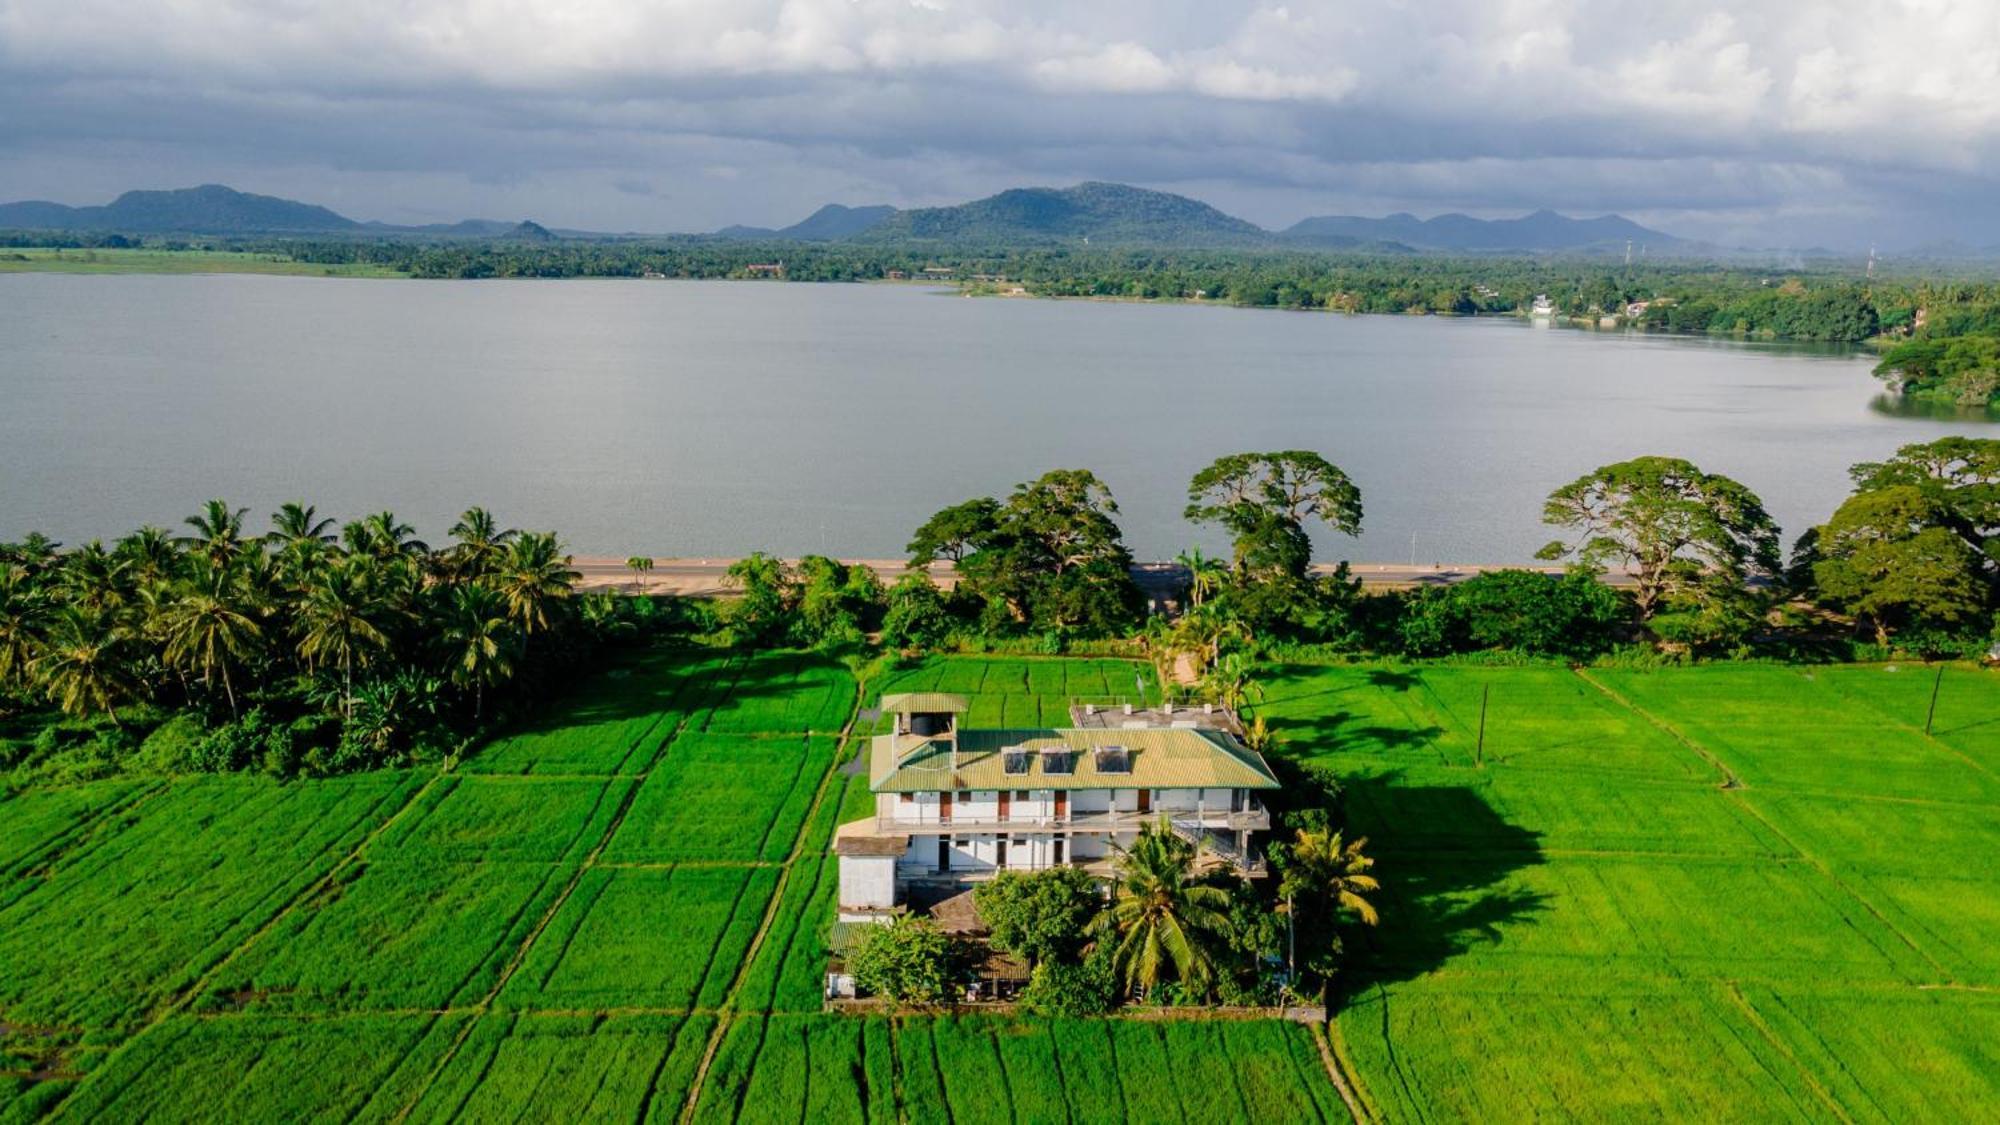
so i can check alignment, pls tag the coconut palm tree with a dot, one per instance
(297, 523)
(479, 638)
(301, 537)
(1231, 684)
(218, 533)
(1205, 575)
(640, 566)
(337, 624)
(22, 609)
(83, 664)
(212, 625)
(1163, 920)
(95, 579)
(149, 556)
(480, 544)
(384, 537)
(1324, 879)
(535, 578)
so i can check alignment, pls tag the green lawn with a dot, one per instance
(1735, 892)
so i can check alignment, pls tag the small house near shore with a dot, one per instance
(955, 806)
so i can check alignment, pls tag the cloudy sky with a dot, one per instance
(1758, 122)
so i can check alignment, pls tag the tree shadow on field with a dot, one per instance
(1446, 858)
(1330, 727)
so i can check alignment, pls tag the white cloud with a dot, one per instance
(1301, 90)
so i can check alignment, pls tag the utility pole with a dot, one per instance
(1932, 713)
(1479, 750)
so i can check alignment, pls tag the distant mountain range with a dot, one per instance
(215, 209)
(1105, 213)
(208, 209)
(1543, 230)
(827, 224)
(1098, 213)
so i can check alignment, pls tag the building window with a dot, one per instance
(1056, 850)
(906, 798)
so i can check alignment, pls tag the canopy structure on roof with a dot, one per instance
(925, 703)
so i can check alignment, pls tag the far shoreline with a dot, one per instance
(692, 576)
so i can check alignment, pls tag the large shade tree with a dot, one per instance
(1051, 557)
(1917, 545)
(1265, 501)
(1680, 533)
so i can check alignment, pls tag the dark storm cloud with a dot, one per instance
(1831, 124)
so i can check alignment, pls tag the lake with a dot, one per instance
(717, 418)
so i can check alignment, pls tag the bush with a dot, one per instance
(1524, 611)
(908, 961)
(917, 616)
(1040, 915)
(1071, 990)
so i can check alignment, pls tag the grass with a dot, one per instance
(1735, 891)
(1741, 892)
(119, 260)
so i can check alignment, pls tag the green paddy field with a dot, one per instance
(1741, 892)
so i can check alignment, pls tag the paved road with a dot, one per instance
(706, 577)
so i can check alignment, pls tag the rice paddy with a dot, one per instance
(1742, 892)
(1747, 892)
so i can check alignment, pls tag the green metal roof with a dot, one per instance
(925, 703)
(1161, 758)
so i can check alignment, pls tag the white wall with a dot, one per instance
(922, 810)
(976, 805)
(1090, 801)
(971, 853)
(1089, 845)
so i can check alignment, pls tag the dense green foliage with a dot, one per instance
(1040, 916)
(907, 961)
(1964, 370)
(302, 649)
(1915, 551)
(1050, 559)
(1523, 611)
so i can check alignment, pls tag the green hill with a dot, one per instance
(1102, 213)
(208, 209)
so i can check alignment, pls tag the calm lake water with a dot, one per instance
(716, 418)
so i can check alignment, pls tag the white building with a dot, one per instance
(956, 806)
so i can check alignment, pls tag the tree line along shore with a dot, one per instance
(317, 647)
(1938, 325)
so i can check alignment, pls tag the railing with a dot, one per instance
(1204, 837)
